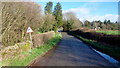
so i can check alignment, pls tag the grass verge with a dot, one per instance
(110, 50)
(109, 32)
(26, 57)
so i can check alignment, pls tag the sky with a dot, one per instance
(90, 10)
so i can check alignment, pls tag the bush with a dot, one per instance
(25, 58)
(109, 39)
(42, 38)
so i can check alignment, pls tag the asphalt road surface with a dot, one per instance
(71, 52)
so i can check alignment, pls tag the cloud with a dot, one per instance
(78, 10)
(86, 13)
(111, 17)
(75, 0)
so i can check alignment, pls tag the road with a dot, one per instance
(71, 52)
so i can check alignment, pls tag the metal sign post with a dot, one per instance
(31, 42)
(29, 30)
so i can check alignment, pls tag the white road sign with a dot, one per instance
(29, 30)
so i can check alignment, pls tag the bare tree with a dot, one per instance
(16, 17)
(70, 21)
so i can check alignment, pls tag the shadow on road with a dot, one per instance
(71, 52)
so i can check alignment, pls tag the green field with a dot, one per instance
(109, 32)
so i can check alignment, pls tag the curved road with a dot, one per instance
(71, 52)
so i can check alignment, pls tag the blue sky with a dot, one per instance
(90, 10)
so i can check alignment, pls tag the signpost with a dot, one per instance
(29, 30)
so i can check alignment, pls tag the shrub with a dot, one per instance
(15, 20)
(109, 39)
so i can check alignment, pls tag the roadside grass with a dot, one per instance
(26, 57)
(110, 50)
(110, 32)
(38, 32)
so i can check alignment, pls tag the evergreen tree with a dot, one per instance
(48, 8)
(87, 24)
(108, 22)
(58, 15)
(100, 23)
(105, 21)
